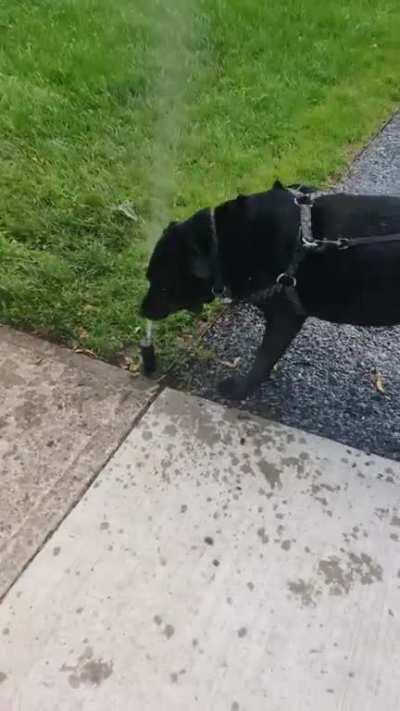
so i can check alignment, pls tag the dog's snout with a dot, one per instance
(154, 308)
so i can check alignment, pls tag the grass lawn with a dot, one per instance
(105, 102)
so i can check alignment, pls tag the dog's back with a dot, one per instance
(360, 285)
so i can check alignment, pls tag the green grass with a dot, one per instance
(104, 102)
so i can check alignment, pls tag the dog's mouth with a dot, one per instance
(154, 312)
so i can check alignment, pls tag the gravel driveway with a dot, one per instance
(326, 383)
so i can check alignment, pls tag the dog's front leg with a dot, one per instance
(284, 322)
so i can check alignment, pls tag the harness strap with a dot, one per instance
(307, 243)
(304, 198)
(305, 201)
(219, 288)
(306, 235)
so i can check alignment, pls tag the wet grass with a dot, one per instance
(97, 108)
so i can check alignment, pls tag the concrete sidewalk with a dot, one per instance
(217, 561)
(61, 416)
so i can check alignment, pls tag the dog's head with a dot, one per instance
(185, 267)
(180, 271)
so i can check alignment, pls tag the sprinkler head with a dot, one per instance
(148, 357)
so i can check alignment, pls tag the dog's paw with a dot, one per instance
(232, 389)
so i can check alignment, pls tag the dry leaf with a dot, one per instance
(85, 351)
(127, 209)
(231, 364)
(378, 381)
(135, 366)
(124, 361)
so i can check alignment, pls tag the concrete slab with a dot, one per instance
(217, 562)
(61, 416)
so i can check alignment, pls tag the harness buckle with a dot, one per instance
(301, 200)
(343, 243)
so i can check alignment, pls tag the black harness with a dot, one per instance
(306, 243)
(305, 203)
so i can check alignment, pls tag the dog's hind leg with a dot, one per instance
(284, 322)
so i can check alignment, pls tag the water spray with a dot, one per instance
(147, 350)
(173, 29)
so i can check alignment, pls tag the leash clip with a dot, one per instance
(310, 244)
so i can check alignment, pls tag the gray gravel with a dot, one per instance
(325, 382)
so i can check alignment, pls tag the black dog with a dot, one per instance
(254, 247)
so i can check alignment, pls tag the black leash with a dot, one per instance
(348, 242)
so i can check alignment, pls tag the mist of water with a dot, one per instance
(149, 332)
(172, 58)
(172, 32)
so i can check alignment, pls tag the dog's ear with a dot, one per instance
(200, 245)
(200, 263)
(277, 185)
